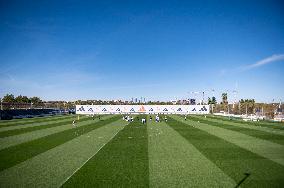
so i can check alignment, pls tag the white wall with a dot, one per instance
(142, 109)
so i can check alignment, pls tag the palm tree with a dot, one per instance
(225, 98)
(225, 101)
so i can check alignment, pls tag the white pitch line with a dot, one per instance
(90, 157)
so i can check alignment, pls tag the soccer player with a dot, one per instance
(166, 119)
(157, 119)
(185, 118)
(74, 123)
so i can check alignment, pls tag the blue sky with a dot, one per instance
(160, 50)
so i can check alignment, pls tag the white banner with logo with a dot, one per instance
(142, 109)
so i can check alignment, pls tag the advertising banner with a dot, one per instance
(142, 109)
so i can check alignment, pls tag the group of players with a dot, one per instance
(130, 119)
(143, 120)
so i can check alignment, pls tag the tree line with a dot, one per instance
(10, 98)
(243, 106)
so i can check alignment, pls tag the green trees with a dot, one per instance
(35, 100)
(247, 106)
(212, 100)
(224, 97)
(224, 102)
(9, 98)
(22, 99)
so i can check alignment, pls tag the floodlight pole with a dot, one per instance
(202, 97)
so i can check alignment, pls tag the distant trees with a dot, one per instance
(224, 102)
(22, 99)
(35, 100)
(212, 100)
(247, 106)
(11, 99)
(224, 97)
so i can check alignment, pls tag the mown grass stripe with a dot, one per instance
(175, 162)
(260, 128)
(29, 121)
(123, 162)
(51, 168)
(272, 151)
(230, 158)
(10, 128)
(82, 164)
(26, 137)
(255, 133)
(19, 153)
(274, 125)
(34, 128)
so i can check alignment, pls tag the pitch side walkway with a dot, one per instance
(269, 150)
(175, 162)
(53, 167)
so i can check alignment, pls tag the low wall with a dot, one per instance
(142, 109)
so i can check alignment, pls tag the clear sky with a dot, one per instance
(160, 50)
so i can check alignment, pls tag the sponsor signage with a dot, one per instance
(142, 109)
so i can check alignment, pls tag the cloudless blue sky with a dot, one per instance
(160, 50)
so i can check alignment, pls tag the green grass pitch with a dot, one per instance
(201, 151)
